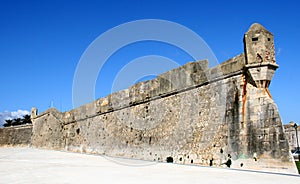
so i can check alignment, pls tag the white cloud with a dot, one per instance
(11, 115)
(19, 113)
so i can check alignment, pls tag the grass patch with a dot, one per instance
(298, 166)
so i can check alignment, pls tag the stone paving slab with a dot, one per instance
(27, 165)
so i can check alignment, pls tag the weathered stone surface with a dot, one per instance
(290, 132)
(16, 136)
(260, 55)
(193, 114)
(259, 45)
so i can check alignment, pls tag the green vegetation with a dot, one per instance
(298, 166)
(18, 121)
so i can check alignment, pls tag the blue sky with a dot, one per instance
(41, 43)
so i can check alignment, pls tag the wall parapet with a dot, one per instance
(189, 76)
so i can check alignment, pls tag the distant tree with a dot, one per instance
(18, 121)
(26, 119)
(8, 123)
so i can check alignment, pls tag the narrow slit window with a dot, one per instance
(255, 39)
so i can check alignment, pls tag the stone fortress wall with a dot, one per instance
(16, 136)
(194, 114)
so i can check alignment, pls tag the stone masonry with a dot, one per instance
(16, 136)
(194, 114)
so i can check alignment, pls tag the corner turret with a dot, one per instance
(260, 55)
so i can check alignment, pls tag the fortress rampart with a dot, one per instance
(16, 136)
(194, 114)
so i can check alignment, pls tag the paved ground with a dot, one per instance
(26, 165)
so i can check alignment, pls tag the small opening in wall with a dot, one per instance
(170, 159)
(269, 39)
(192, 161)
(211, 162)
(255, 39)
(180, 159)
(77, 130)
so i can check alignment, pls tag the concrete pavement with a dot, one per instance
(27, 165)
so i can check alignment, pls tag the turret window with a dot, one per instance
(255, 39)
